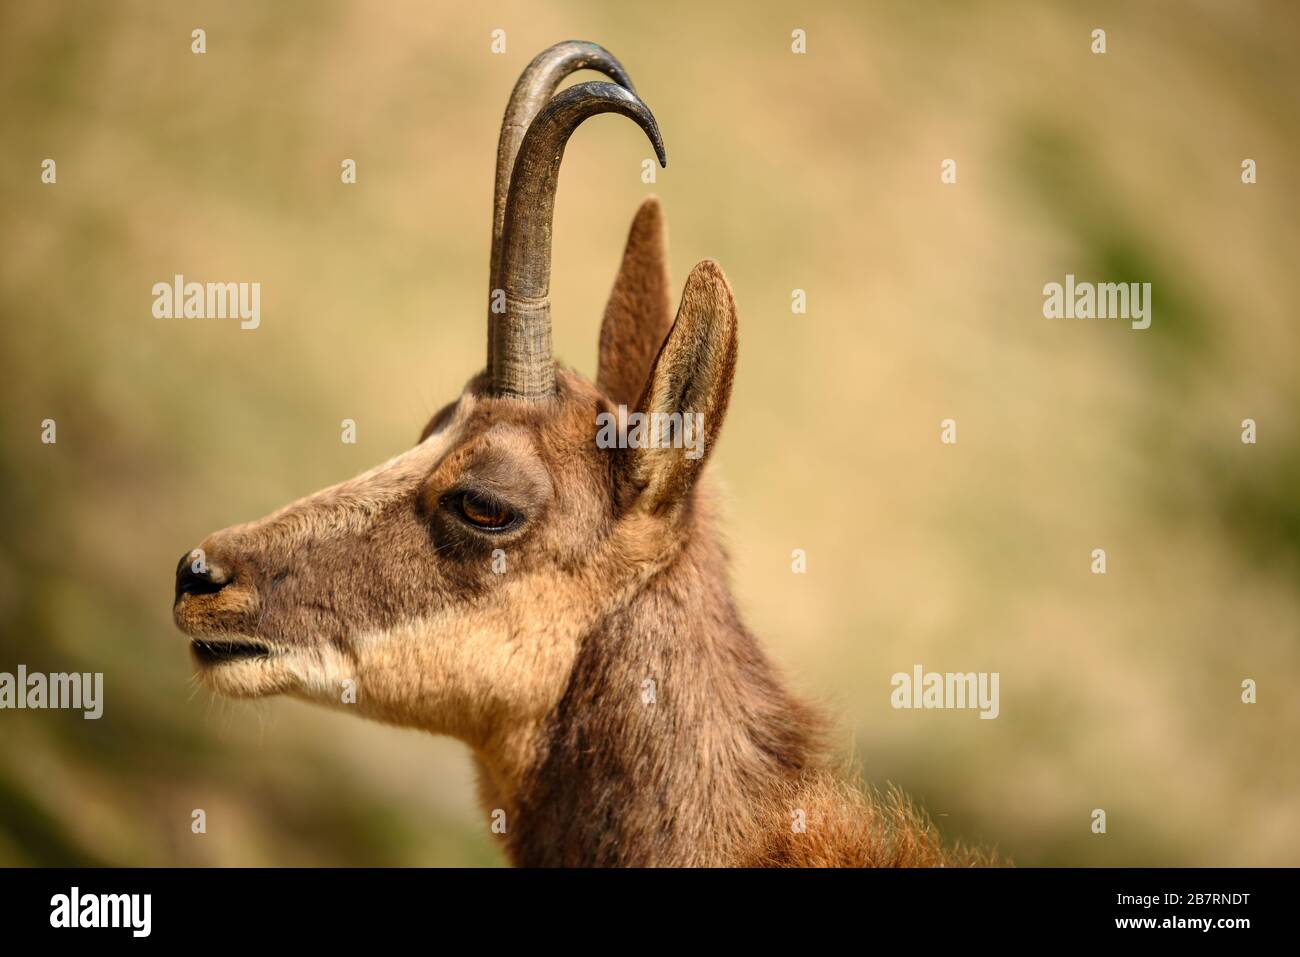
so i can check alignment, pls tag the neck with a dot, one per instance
(672, 734)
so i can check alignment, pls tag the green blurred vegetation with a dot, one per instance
(817, 172)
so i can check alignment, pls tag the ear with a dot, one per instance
(691, 381)
(639, 310)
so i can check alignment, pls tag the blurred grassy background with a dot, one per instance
(818, 172)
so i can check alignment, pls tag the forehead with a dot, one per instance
(495, 435)
(570, 413)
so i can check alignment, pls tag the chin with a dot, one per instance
(240, 667)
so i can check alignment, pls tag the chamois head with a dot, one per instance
(454, 583)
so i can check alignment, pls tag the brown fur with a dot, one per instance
(615, 583)
(639, 313)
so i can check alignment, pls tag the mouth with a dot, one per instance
(216, 651)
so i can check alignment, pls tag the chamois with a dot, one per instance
(559, 604)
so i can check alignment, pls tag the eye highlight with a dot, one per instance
(482, 512)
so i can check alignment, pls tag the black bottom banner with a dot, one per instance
(124, 907)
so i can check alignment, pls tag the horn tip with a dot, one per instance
(660, 151)
(656, 138)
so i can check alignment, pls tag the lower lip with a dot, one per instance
(222, 652)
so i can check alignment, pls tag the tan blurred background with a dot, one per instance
(818, 172)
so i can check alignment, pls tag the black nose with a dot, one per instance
(196, 575)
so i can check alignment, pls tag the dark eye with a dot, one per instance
(483, 512)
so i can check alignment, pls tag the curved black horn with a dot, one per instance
(535, 87)
(521, 362)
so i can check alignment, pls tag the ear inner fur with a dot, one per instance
(692, 375)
